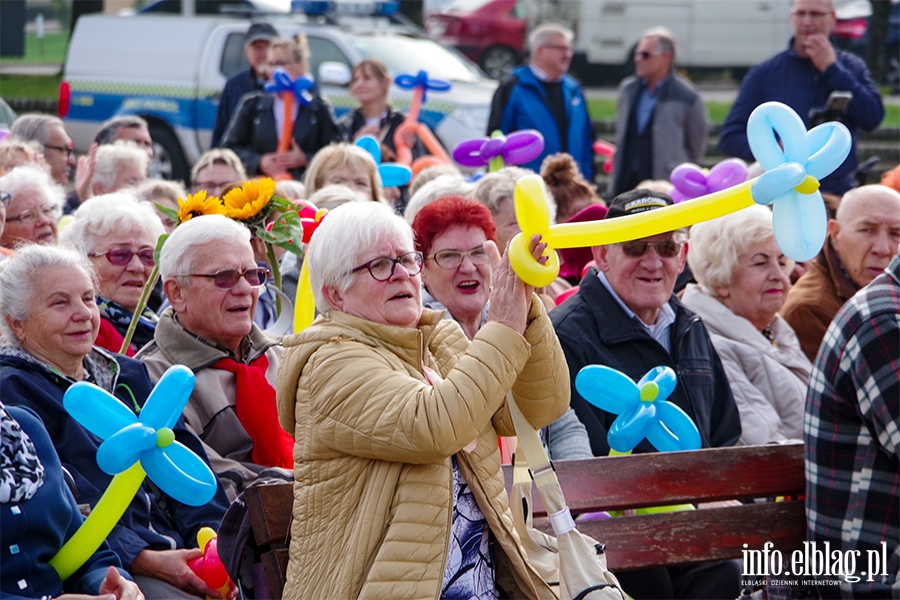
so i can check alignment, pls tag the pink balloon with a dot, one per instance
(689, 180)
(728, 173)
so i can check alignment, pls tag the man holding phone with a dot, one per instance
(812, 77)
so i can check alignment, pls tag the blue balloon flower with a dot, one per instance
(149, 439)
(282, 82)
(392, 174)
(410, 82)
(643, 409)
(793, 170)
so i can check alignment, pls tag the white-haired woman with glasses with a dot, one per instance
(34, 207)
(118, 234)
(398, 489)
(743, 278)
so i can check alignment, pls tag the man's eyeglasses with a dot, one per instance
(122, 256)
(382, 268)
(212, 187)
(559, 47)
(812, 14)
(227, 279)
(69, 150)
(644, 55)
(5, 198)
(451, 259)
(665, 248)
(30, 216)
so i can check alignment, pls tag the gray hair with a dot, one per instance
(500, 186)
(290, 189)
(341, 239)
(33, 176)
(542, 34)
(219, 156)
(665, 39)
(430, 174)
(105, 214)
(718, 245)
(334, 195)
(18, 275)
(443, 185)
(111, 158)
(33, 127)
(110, 128)
(150, 189)
(177, 256)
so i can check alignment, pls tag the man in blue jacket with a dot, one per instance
(540, 95)
(803, 77)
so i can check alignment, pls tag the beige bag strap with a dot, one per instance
(529, 442)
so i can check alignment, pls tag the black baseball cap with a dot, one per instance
(637, 201)
(260, 31)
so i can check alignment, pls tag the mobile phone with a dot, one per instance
(838, 101)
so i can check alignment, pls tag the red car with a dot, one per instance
(490, 32)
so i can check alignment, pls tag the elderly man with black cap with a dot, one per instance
(256, 48)
(624, 316)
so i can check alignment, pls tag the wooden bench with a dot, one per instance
(627, 482)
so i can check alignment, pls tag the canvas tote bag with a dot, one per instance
(572, 563)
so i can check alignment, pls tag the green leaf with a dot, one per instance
(159, 246)
(169, 212)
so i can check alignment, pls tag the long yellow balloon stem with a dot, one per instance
(99, 523)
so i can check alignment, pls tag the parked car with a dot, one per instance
(171, 69)
(490, 32)
(851, 33)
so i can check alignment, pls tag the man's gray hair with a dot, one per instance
(718, 245)
(498, 187)
(33, 176)
(219, 156)
(340, 241)
(665, 39)
(443, 185)
(151, 189)
(110, 129)
(102, 215)
(19, 276)
(33, 127)
(542, 34)
(112, 157)
(177, 256)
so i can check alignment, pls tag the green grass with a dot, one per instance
(604, 109)
(53, 49)
(35, 87)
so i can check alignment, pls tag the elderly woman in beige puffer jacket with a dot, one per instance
(398, 489)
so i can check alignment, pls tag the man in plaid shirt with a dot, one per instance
(852, 436)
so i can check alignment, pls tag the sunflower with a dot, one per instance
(198, 205)
(248, 201)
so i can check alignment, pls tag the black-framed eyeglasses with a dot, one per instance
(451, 259)
(30, 216)
(644, 55)
(69, 150)
(228, 278)
(382, 268)
(122, 256)
(665, 248)
(5, 198)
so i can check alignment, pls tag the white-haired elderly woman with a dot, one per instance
(398, 489)
(49, 319)
(119, 165)
(118, 234)
(742, 280)
(34, 208)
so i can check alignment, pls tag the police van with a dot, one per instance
(170, 69)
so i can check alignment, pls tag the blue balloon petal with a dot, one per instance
(168, 398)
(664, 378)
(772, 185)
(607, 389)
(631, 427)
(370, 145)
(800, 223)
(769, 119)
(830, 145)
(97, 410)
(394, 174)
(124, 448)
(181, 474)
(682, 433)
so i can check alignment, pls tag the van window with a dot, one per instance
(324, 50)
(233, 58)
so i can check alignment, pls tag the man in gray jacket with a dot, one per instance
(661, 120)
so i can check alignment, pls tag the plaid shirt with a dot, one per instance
(852, 435)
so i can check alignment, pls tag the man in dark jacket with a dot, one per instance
(540, 95)
(624, 316)
(256, 47)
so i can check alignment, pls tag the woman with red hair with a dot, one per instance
(450, 233)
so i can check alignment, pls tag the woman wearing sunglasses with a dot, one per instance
(118, 234)
(34, 207)
(398, 490)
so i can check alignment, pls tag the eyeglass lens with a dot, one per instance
(226, 280)
(451, 259)
(665, 248)
(383, 267)
(29, 216)
(122, 256)
(5, 198)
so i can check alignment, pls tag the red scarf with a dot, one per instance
(272, 445)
